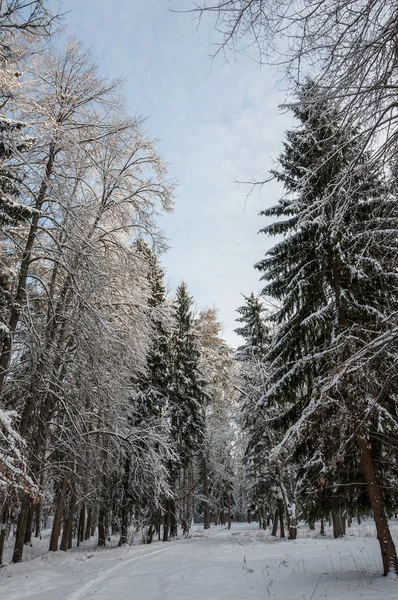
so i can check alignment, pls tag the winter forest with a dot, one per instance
(126, 419)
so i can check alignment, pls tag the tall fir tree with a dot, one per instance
(335, 287)
(254, 330)
(153, 385)
(188, 387)
(150, 392)
(186, 397)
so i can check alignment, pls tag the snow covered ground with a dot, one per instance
(241, 564)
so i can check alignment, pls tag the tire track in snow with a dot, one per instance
(91, 585)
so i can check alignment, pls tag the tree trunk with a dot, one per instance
(282, 525)
(275, 523)
(124, 526)
(66, 541)
(229, 505)
(29, 523)
(322, 526)
(186, 503)
(106, 524)
(311, 525)
(387, 546)
(150, 533)
(173, 519)
(3, 531)
(93, 522)
(82, 521)
(166, 522)
(21, 529)
(264, 517)
(88, 523)
(292, 528)
(70, 533)
(259, 517)
(56, 530)
(125, 504)
(338, 527)
(205, 503)
(38, 520)
(153, 526)
(101, 527)
(222, 511)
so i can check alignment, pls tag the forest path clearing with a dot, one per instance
(241, 564)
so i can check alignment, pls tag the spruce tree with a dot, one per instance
(254, 373)
(187, 387)
(150, 393)
(153, 385)
(335, 285)
(253, 329)
(186, 397)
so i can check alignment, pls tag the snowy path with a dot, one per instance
(243, 564)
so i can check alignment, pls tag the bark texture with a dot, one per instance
(387, 546)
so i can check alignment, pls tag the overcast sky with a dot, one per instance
(216, 123)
